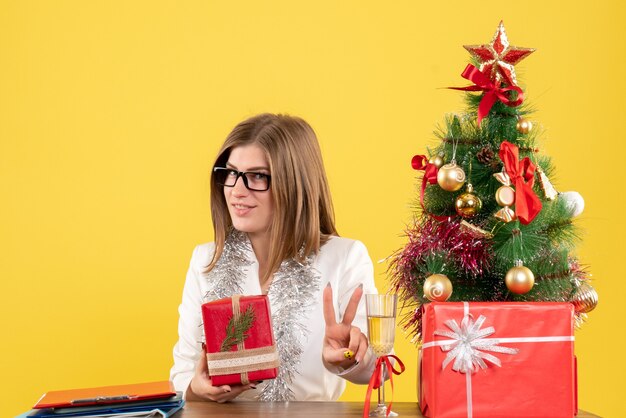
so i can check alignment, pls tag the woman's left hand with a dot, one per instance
(343, 336)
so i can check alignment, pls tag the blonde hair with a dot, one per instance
(303, 217)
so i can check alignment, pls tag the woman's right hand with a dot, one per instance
(201, 387)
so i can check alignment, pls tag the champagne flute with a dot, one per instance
(381, 328)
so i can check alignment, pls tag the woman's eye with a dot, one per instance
(231, 173)
(259, 176)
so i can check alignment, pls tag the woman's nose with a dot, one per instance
(240, 188)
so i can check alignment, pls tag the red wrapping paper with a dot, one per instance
(538, 381)
(216, 316)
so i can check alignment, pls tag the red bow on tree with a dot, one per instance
(420, 162)
(522, 174)
(492, 91)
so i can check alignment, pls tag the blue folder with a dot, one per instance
(164, 408)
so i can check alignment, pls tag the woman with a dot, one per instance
(275, 234)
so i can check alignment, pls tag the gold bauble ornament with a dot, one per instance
(524, 126)
(451, 177)
(437, 288)
(467, 205)
(519, 279)
(585, 299)
(436, 160)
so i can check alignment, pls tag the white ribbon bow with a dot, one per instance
(468, 349)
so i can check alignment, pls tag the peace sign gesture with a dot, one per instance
(343, 336)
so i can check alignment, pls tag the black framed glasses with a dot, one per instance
(258, 182)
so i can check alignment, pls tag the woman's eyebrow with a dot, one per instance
(229, 165)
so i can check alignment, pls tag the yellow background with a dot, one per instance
(111, 113)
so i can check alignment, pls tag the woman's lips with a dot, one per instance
(241, 209)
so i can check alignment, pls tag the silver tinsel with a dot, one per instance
(292, 293)
(226, 277)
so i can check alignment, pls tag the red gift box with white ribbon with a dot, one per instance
(498, 359)
(239, 340)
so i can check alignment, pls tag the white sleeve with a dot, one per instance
(188, 348)
(358, 269)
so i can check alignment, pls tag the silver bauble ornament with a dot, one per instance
(574, 202)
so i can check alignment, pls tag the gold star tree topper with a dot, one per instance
(498, 58)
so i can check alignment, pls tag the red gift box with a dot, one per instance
(253, 357)
(506, 359)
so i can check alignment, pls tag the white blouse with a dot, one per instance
(342, 262)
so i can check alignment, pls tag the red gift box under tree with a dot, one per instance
(505, 359)
(239, 340)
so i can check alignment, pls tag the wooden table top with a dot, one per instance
(297, 409)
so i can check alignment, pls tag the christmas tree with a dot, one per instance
(489, 225)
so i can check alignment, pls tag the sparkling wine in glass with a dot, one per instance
(381, 328)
